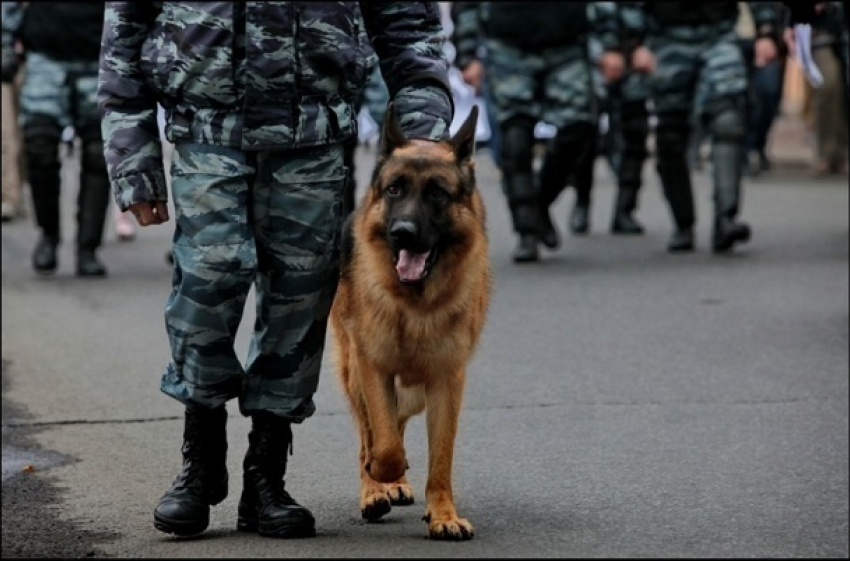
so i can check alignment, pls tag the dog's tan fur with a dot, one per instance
(401, 350)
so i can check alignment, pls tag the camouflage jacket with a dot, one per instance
(259, 76)
(636, 21)
(471, 21)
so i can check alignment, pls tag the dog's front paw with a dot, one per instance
(449, 529)
(374, 506)
(401, 493)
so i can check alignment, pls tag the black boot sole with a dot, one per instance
(526, 258)
(179, 528)
(623, 231)
(99, 274)
(726, 243)
(253, 525)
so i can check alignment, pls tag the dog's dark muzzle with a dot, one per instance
(414, 250)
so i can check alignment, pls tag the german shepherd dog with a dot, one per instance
(409, 309)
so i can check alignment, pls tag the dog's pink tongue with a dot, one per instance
(411, 266)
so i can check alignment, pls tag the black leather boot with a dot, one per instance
(185, 508)
(681, 241)
(88, 265)
(526, 250)
(524, 216)
(580, 218)
(265, 506)
(623, 221)
(44, 257)
(727, 233)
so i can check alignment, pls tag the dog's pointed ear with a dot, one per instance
(392, 136)
(464, 140)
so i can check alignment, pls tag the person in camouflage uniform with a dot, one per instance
(61, 44)
(628, 119)
(691, 51)
(259, 100)
(538, 69)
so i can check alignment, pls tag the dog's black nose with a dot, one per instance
(403, 232)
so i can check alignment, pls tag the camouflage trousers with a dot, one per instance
(270, 220)
(554, 86)
(64, 91)
(690, 75)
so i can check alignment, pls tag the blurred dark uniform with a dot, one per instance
(698, 58)
(62, 47)
(538, 69)
(628, 118)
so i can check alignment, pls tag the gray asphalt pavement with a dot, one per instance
(624, 402)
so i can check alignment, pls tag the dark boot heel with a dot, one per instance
(247, 522)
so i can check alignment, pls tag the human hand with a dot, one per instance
(765, 51)
(473, 75)
(643, 60)
(612, 64)
(150, 213)
(788, 36)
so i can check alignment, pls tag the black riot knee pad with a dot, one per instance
(517, 145)
(41, 135)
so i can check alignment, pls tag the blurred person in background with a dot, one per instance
(628, 117)
(691, 52)
(764, 94)
(61, 45)
(12, 165)
(537, 69)
(830, 99)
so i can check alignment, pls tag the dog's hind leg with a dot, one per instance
(444, 397)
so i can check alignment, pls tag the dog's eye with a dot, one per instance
(393, 189)
(438, 193)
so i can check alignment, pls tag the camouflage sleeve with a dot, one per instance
(605, 24)
(408, 38)
(12, 16)
(632, 21)
(466, 36)
(768, 18)
(128, 108)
